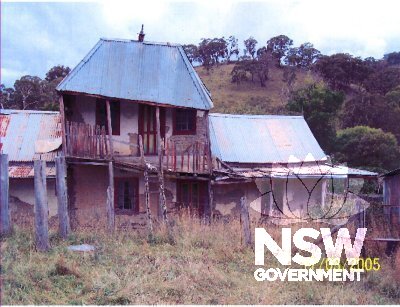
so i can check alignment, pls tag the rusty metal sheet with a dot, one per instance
(16, 170)
(141, 71)
(263, 139)
(25, 128)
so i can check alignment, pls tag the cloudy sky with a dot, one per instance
(37, 36)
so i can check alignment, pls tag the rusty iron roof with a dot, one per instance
(21, 129)
(141, 71)
(25, 170)
(263, 139)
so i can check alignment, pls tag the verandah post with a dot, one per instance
(4, 195)
(64, 227)
(162, 212)
(41, 207)
(146, 189)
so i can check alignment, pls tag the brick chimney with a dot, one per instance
(141, 35)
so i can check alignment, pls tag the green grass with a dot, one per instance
(203, 265)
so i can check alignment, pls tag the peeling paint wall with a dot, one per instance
(293, 194)
(83, 109)
(22, 196)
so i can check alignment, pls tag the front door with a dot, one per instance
(148, 127)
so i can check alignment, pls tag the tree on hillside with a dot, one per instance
(58, 72)
(308, 55)
(233, 47)
(363, 146)
(366, 110)
(292, 57)
(303, 56)
(383, 80)
(250, 45)
(262, 66)
(341, 70)
(393, 58)
(212, 51)
(192, 52)
(279, 45)
(289, 76)
(319, 106)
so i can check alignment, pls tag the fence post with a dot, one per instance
(41, 207)
(110, 198)
(64, 227)
(4, 195)
(245, 221)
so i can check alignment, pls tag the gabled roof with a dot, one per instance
(142, 71)
(263, 139)
(21, 130)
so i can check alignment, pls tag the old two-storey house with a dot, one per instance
(137, 131)
(129, 106)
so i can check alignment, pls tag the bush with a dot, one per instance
(362, 146)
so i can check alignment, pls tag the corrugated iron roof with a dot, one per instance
(143, 71)
(263, 139)
(26, 170)
(23, 129)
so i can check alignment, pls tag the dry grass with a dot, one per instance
(201, 265)
(249, 97)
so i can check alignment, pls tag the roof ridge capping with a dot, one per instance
(255, 116)
(124, 40)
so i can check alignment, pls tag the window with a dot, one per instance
(185, 121)
(126, 195)
(101, 115)
(192, 194)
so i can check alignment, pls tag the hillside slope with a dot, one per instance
(249, 97)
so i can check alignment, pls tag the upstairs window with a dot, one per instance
(126, 198)
(101, 115)
(184, 121)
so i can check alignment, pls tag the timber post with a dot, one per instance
(160, 166)
(210, 168)
(41, 207)
(109, 128)
(64, 227)
(245, 221)
(163, 201)
(63, 132)
(146, 189)
(4, 195)
(110, 198)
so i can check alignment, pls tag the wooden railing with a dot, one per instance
(87, 141)
(92, 142)
(192, 159)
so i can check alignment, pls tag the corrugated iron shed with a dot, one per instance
(20, 130)
(263, 139)
(142, 71)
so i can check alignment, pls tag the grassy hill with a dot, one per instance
(249, 97)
